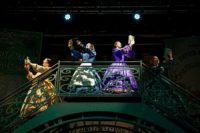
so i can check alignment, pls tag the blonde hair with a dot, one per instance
(90, 46)
(115, 44)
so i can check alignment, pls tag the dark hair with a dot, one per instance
(74, 42)
(49, 61)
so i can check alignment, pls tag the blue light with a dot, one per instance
(67, 16)
(137, 16)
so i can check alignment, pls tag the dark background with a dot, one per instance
(102, 22)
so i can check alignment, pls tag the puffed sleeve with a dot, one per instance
(117, 54)
(39, 68)
(128, 51)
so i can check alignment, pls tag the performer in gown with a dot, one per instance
(158, 68)
(40, 96)
(118, 77)
(85, 79)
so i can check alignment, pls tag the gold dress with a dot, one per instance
(40, 96)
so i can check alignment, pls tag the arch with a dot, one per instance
(136, 114)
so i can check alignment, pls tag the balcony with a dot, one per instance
(56, 87)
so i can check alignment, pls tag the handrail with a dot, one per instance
(56, 66)
(13, 106)
(167, 80)
(170, 99)
(63, 71)
(18, 89)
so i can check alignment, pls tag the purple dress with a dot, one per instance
(118, 77)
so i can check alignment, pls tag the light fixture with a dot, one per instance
(137, 15)
(67, 16)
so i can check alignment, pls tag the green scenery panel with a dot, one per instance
(15, 45)
(185, 72)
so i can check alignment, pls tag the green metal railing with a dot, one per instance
(171, 100)
(50, 88)
(53, 86)
(11, 105)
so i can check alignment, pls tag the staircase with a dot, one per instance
(159, 105)
(170, 100)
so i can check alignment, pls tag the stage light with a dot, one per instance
(67, 16)
(137, 15)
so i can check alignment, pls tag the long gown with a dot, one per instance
(118, 76)
(85, 79)
(40, 96)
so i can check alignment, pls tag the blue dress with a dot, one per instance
(118, 77)
(85, 79)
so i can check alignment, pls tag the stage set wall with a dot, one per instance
(15, 45)
(186, 68)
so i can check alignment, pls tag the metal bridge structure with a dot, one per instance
(158, 104)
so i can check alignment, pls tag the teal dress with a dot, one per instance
(85, 79)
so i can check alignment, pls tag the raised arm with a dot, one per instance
(38, 68)
(128, 51)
